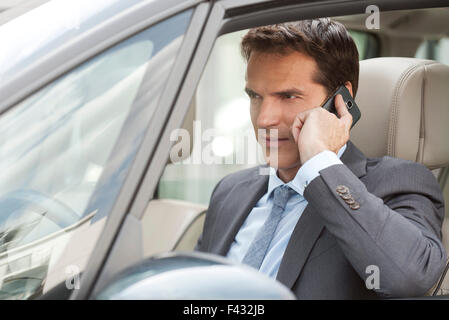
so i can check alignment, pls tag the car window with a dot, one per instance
(437, 50)
(367, 44)
(222, 116)
(223, 132)
(57, 148)
(64, 21)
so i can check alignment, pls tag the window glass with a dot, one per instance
(56, 151)
(64, 21)
(437, 50)
(367, 44)
(223, 127)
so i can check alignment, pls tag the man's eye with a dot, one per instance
(289, 97)
(253, 96)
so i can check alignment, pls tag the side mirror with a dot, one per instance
(192, 276)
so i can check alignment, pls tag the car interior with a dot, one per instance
(404, 73)
(404, 76)
(160, 68)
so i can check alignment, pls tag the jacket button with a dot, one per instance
(342, 189)
(346, 196)
(350, 201)
(354, 206)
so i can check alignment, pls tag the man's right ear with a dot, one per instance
(348, 86)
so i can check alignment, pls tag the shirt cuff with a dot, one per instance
(311, 169)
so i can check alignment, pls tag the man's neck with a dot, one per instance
(288, 174)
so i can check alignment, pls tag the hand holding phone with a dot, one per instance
(352, 107)
(315, 130)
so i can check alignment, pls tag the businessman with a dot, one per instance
(326, 215)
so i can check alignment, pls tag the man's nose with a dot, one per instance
(270, 114)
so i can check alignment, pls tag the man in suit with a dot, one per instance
(326, 218)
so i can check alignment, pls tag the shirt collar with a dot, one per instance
(274, 181)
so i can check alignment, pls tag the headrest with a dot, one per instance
(405, 110)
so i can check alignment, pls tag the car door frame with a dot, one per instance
(225, 16)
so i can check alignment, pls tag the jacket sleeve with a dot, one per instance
(396, 227)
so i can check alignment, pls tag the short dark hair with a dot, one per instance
(325, 40)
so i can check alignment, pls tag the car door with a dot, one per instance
(78, 124)
(119, 245)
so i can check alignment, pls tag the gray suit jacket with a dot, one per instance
(397, 228)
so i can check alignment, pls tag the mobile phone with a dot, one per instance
(349, 102)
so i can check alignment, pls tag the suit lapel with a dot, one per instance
(236, 207)
(310, 226)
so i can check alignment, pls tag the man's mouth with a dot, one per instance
(274, 142)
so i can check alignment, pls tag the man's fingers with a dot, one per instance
(340, 106)
(296, 127)
(302, 116)
(299, 122)
(342, 111)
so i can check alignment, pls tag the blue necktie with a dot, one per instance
(258, 248)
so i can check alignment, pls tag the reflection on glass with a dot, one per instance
(55, 147)
(222, 106)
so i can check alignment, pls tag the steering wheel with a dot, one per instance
(53, 209)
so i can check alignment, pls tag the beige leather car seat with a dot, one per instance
(405, 114)
(171, 225)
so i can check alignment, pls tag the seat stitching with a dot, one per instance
(391, 149)
(422, 121)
